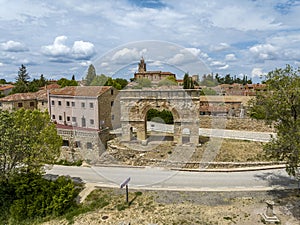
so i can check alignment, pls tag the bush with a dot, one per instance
(30, 196)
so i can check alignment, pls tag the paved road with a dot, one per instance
(163, 179)
(223, 133)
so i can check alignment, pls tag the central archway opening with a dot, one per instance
(159, 125)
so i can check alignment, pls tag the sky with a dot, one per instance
(62, 38)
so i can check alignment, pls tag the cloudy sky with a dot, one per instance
(61, 38)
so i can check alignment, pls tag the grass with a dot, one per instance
(68, 163)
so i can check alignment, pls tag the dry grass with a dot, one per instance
(150, 207)
(234, 123)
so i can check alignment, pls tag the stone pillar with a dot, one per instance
(194, 136)
(177, 133)
(269, 211)
(141, 132)
(269, 215)
(126, 134)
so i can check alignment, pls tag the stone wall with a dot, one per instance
(83, 145)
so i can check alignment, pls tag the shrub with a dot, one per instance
(30, 196)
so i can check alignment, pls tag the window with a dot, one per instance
(83, 122)
(52, 102)
(43, 103)
(91, 121)
(31, 104)
(59, 102)
(77, 144)
(53, 117)
(68, 118)
(89, 145)
(91, 105)
(73, 104)
(112, 117)
(73, 119)
(0, 104)
(60, 117)
(112, 103)
(111, 91)
(82, 104)
(20, 104)
(66, 143)
(68, 104)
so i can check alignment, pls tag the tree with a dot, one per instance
(63, 82)
(208, 91)
(99, 80)
(3, 81)
(122, 82)
(143, 82)
(168, 81)
(157, 116)
(91, 74)
(280, 105)
(186, 81)
(22, 81)
(28, 140)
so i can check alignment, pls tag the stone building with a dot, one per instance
(153, 76)
(224, 105)
(84, 116)
(31, 100)
(5, 89)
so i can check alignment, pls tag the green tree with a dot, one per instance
(280, 106)
(3, 81)
(168, 81)
(122, 82)
(99, 80)
(22, 81)
(27, 140)
(91, 74)
(208, 91)
(63, 82)
(143, 82)
(186, 81)
(156, 116)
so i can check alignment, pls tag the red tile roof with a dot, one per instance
(6, 87)
(40, 95)
(50, 86)
(92, 91)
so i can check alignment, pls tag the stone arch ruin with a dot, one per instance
(183, 104)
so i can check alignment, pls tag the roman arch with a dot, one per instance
(184, 105)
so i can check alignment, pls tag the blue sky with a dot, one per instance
(61, 38)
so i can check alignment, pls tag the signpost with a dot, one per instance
(125, 183)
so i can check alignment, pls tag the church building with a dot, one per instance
(153, 76)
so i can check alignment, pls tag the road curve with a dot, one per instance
(149, 178)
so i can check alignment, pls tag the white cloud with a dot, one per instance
(177, 59)
(219, 47)
(85, 63)
(82, 50)
(217, 63)
(230, 57)
(127, 55)
(224, 67)
(79, 50)
(194, 51)
(244, 17)
(1, 64)
(264, 51)
(155, 63)
(13, 46)
(257, 72)
(104, 64)
(58, 48)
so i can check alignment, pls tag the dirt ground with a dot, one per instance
(174, 207)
